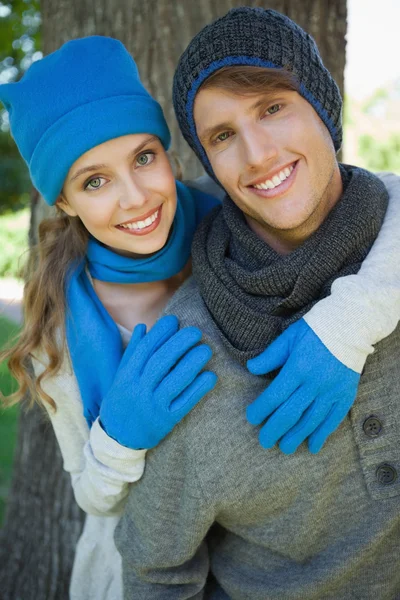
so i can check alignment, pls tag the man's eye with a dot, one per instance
(145, 159)
(273, 109)
(222, 136)
(94, 184)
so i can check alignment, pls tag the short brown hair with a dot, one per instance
(247, 80)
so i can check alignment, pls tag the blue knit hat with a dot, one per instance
(84, 94)
(258, 37)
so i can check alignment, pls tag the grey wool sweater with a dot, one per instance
(216, 516)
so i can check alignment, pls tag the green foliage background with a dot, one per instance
(380, 156)
(19, 44)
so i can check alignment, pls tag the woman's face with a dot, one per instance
(124, 193)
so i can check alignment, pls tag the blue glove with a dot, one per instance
(157, 383)
(310, 396)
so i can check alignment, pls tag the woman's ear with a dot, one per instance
(62, 203)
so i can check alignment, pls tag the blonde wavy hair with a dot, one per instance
(62, 244)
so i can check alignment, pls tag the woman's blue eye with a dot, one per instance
(145, 159)
(93, 184)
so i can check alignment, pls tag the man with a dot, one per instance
(215, 515)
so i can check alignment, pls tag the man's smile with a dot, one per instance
(277, 183)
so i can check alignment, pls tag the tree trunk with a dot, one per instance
(42, 521)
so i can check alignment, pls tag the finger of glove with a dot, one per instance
(92, 411)
(279, 351)
(138, 334)
(278, 391)
(199, 388)
(182, 375)
(318, 438)
(285, 417)
(336, 415)
(90, 418)
(273, 357)
(158, 335)
(312, 418)
(167, 355)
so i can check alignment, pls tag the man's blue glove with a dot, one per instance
(157, 383)
(310, 396)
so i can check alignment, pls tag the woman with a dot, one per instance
(95, 143)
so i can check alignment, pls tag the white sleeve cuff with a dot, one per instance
(127, 462)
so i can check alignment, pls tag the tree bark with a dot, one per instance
(42, 521)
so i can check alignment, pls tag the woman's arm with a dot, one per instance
(364, 308)
(100, 468)
(159, 380)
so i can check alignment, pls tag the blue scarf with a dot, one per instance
(93, 338)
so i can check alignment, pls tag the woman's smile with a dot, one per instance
(144, 225)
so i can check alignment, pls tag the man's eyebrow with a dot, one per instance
(97, 167)
(265, 98)
(210, 131)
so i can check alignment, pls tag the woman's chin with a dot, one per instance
(142, 248)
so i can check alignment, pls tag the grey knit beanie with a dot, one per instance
(257, 37)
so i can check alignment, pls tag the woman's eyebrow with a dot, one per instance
(97, 167)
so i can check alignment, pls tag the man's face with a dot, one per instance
(274, 157)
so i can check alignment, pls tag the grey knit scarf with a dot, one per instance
(253, 293)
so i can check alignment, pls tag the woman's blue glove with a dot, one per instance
(310, 396)
(157, 383)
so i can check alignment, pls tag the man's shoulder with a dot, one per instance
(188, 305)
(187, 292)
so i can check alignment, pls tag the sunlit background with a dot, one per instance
(372, 83)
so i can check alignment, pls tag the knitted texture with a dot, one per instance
(265, 291)
(82, 95)
(258, 37)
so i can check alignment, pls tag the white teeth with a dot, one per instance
(276, 180)
(141, 224)
(270, 184)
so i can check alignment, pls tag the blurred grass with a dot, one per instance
(8, 418)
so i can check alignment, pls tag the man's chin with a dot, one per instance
(281, 223)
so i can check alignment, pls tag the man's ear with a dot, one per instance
(62, 203)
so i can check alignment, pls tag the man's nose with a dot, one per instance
(259, 146)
